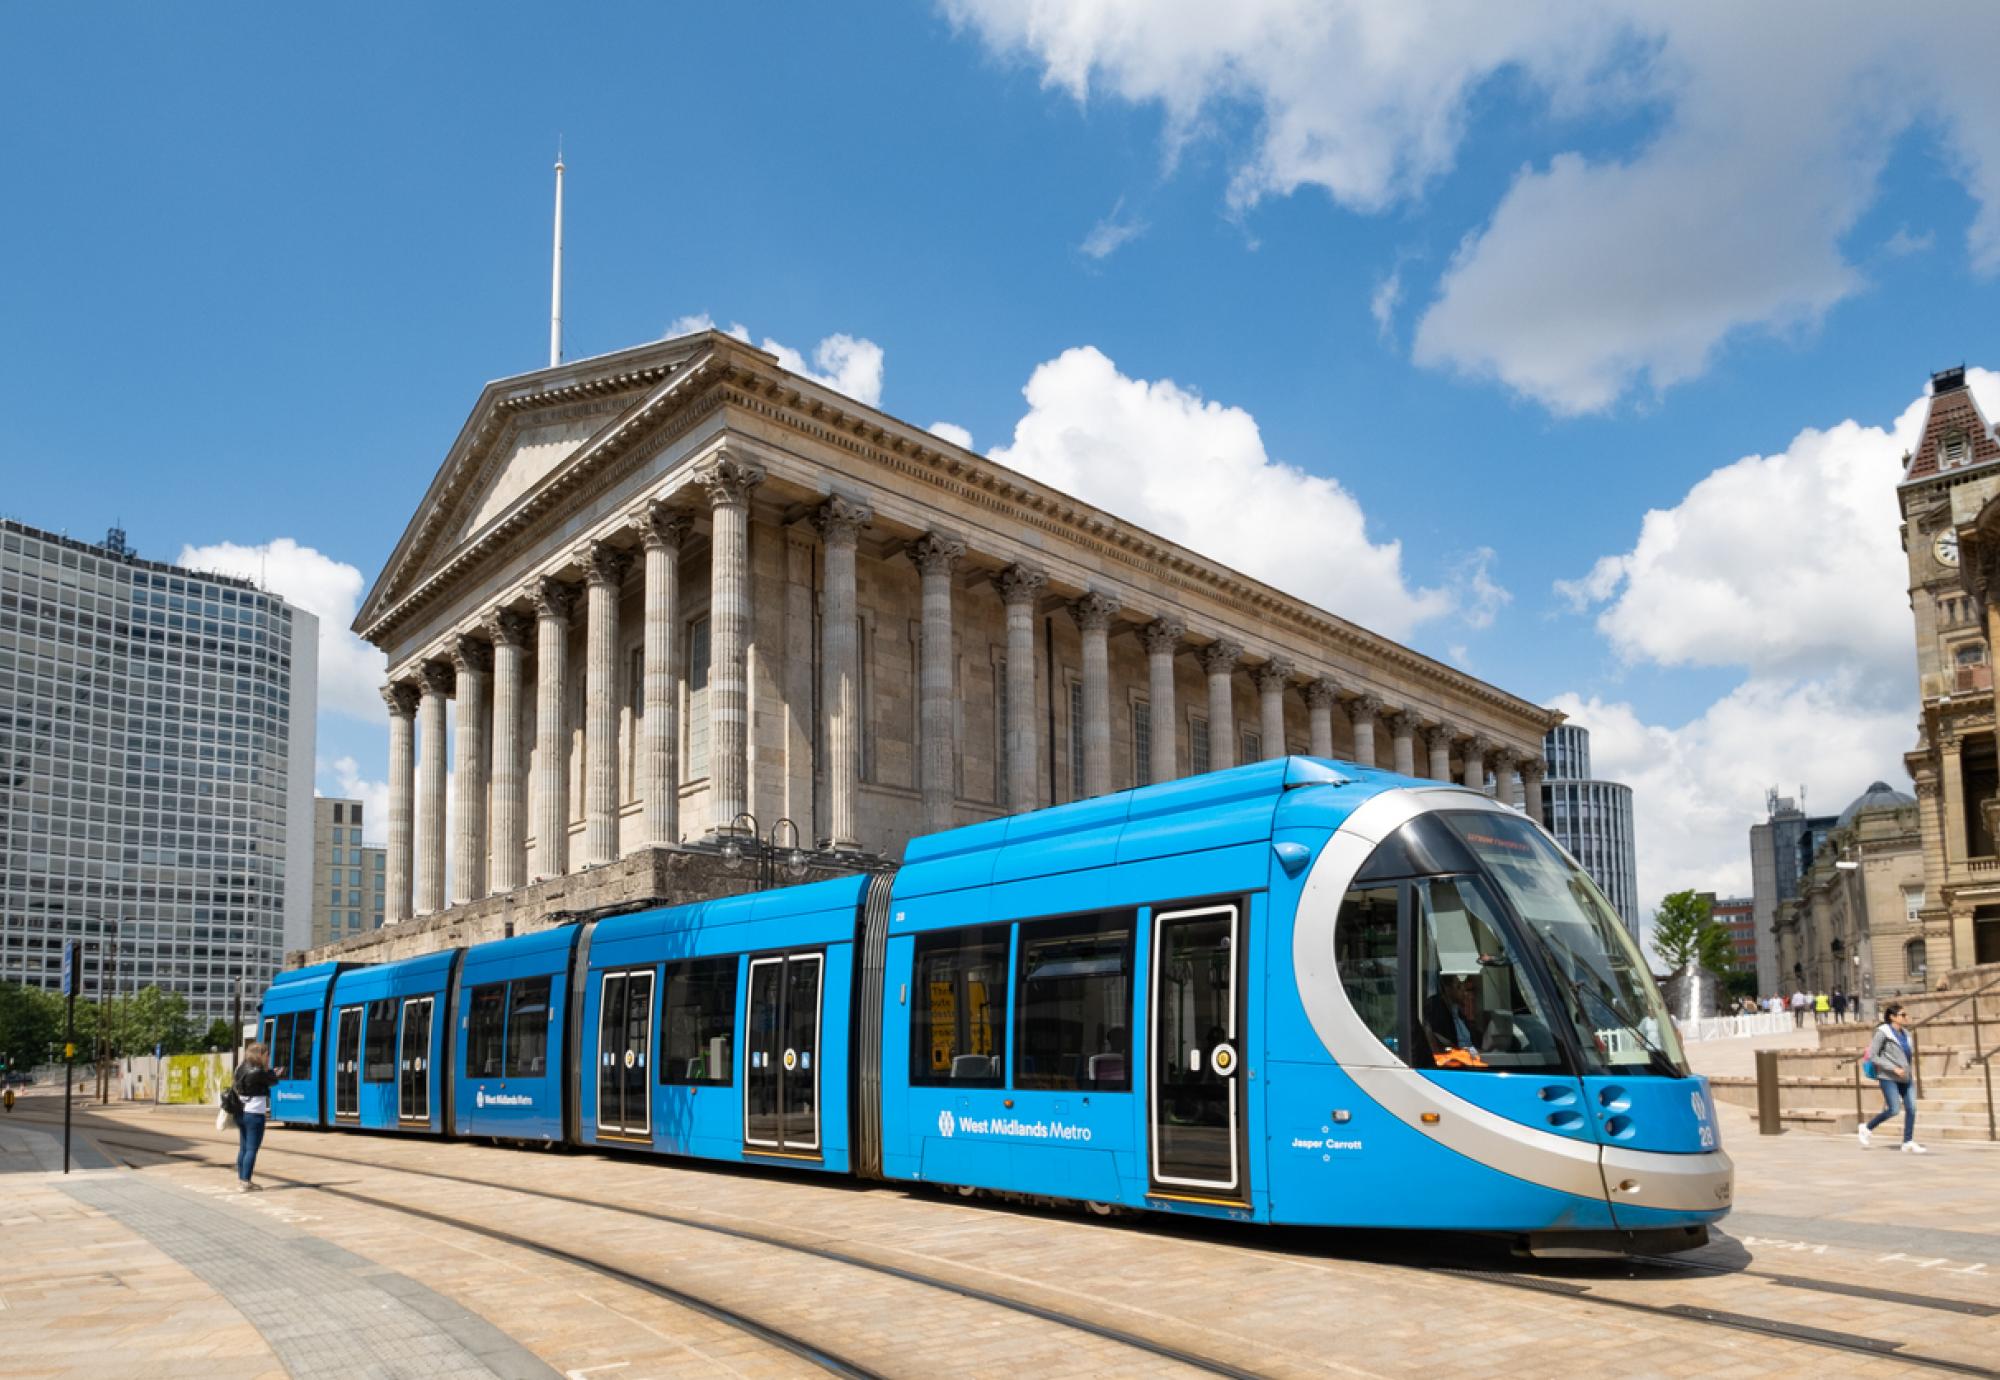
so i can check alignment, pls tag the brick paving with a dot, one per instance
(1288, 1303)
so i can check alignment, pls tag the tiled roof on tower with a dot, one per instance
(1955, 435)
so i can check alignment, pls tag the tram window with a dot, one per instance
(527, 1028)
(1075, 1025)
(700, 1022)
(486, 1033)
(278, 1043)
(956, 1035)
(300, 1065)
(1364, 943)
(379, 1066)
(1477, 1009)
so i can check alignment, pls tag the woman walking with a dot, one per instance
(1891, 1056)
(254, 1081)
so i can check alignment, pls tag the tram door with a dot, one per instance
(413, 1102)
(1197, 1091)
(781, 1054)
(347, 1064)
(624, 1039)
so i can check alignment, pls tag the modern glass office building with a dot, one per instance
(156, 762)
(1592, 819)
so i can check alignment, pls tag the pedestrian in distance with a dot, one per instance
(253, 1083)
(1839, 1005)
(1800, 1003)
(1822, 1007)
(1892, 1064)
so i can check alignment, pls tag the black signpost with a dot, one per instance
(69, 1037)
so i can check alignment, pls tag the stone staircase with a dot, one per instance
(1822, 1089)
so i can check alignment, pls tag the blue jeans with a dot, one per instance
(250, 1135)
(1896, 1098)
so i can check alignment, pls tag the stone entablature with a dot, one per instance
(846, 622)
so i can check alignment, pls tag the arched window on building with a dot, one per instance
(1913, 958)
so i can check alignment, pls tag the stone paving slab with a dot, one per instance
(29, 1149)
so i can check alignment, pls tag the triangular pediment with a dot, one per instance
(522, 433)
(1956, 435)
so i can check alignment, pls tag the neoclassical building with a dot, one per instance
(1950, 499)
(652, 592)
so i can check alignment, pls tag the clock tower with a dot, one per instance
(1950, 500)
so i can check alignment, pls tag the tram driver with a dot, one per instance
(1454, 1022)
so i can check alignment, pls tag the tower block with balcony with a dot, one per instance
(1950, 500)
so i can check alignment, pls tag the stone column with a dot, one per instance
(401, 700)
(729, 480)
(1020, 587)
(553, 600)
(802, 713)
(471, 661)
(1093, 614)
(937, 716)
(1473, 763)
(1403, 742)
(508, 812)
(1532, 771)
(1162, 639)
(1218, 660)
(436, 676)
(661, 531)
(1365, 712)
(1501, 760)
(1271, 679)
(1321, 696)
(1439, 740)
(604, 570)
(840, 523)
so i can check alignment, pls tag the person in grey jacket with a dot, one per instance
(1890, 1052)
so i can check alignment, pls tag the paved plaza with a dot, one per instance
(375, 1256)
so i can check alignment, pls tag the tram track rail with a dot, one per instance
(973, 1293)
(1543, 1284)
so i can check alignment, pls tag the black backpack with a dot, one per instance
(232, 1101)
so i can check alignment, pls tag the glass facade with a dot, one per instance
(1592, 819)
(350, 879)
(148, 762)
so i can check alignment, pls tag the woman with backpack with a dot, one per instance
(1890, 1063)
(253, 1083)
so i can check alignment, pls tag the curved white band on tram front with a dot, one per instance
(1698, 1182)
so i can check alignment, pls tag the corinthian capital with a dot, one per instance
(1367, 708)
(935, 553)
(661, 528)
(1094, 612)
(437, 677)
(1274, 674)
(603, 564)
(401, 698)
(1439, 736)
(1219, 658)
(1322, 694)
(505, 628)
(1020, 584)
(840, 520)
(729, 478)
(552, 598)
(471, 655)
(1163, 635)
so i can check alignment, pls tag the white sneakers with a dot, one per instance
(1910, 1147)
(1865, 1136)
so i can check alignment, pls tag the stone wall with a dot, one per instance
(644, 879)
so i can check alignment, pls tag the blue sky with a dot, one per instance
(1510, 279)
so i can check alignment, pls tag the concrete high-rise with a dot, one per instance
(1781, 850)
(350, 883)
(156, 757)
(1592, 819)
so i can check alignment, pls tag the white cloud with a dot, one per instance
(1387, 297)
(350, 671)
(1111, 233)
(847, 364)
(1760, 142)
(1478, 595)
(952, 432)
(349, 783)
(1789, 567)
(1903, 244)
(1196, 472)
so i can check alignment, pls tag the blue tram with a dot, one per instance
(1299, 991)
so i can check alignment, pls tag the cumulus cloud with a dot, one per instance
(1196, 472)
(350, 671)
(349, 783)
(1111, 233)
(1757, 144)
(847, 364)
(1902, 244)
(952, 432)
(1789, 568)
(1387, 297)
(1478, 595)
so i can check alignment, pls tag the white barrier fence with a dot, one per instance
(1732, 1027)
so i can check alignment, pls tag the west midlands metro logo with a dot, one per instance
(947, 1123)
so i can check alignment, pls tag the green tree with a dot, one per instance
(1685, 929)
(30, 1024)
(220, 1035)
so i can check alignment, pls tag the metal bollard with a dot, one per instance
(1769, 1122)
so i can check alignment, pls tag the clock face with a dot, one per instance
(1945, 548)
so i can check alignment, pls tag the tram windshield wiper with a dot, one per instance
(1656, 1058)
